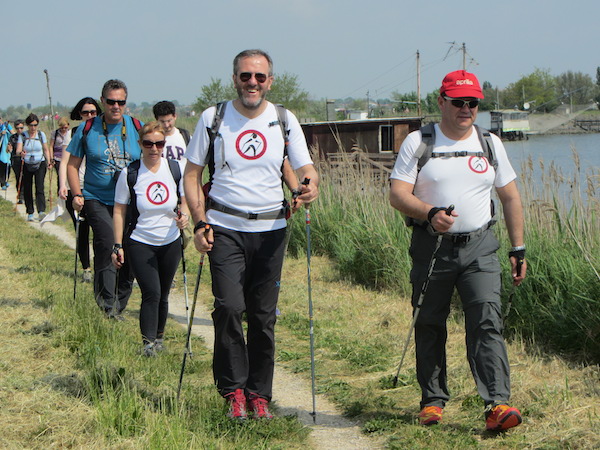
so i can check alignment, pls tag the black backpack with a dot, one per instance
(132, 176)
(185, 134)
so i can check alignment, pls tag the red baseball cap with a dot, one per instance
(461, 83)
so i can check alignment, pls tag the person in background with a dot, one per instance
(85, 109)
(15, 160)
(59, 140)
(177, 138)
(108, 146)
(6, 131)
(32, 146)
(243, 228)
(153, 239)
(463, 247)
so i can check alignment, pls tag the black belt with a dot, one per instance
(463, 238)
(270, 215)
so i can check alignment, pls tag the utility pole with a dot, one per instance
(418, 84)
(367, 104)
(464, 52)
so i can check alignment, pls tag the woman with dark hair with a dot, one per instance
(32, 146)
(86, 108)
(153, 242)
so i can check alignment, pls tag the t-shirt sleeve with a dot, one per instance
(297, 148)
(75, 148)
(121, 189)
(405, 167)
(197, 149)
(505, 172)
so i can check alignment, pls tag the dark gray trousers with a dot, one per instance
(473, 268)
(246, 273)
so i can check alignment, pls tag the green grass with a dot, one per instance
(134, 398)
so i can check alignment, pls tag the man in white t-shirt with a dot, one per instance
(243, 228)
(177, 138)
(462, 247)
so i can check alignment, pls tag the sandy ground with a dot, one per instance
(291, 393)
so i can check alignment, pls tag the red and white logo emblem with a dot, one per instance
(251, 144)
(478, 164)
(157, 193)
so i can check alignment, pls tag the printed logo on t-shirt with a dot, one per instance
(173, 152)
(478, 164)
(251, 144)
(157, 193)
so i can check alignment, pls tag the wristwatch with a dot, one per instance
(201, 224)
(116, 248)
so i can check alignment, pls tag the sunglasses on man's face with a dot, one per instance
(458, 103)
(149, 144)
(90, 112)
(33, 125)
(260, 77)
(110, 101)
(19, 128)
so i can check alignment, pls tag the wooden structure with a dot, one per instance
(369, 135)
(510, 124)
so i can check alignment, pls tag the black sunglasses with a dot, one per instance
(19, 128)
(91, 112)
(149, 144)
(260, 77)
(460, 103)
(110, 101)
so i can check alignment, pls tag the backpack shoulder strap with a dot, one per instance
(185, 134)
(175, 169)
(424, 151)
(136, 123)
(213, 132)
(132, 175)
(283, 124)
(487, 145)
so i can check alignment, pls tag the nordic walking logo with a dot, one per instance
(251, 144)
(478, 164)
(157, 193)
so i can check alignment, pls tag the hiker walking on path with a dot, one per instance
(243, 226)
(16, 161)
(153, 189)
(109, 143)
(58, 142)
(32, 146)
(177, 138)
(86, 108)
(460, 168)
(6, 131)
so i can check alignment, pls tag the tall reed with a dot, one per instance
(558, 306)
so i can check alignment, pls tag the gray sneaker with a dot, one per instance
(41, 216)
(159, 345)
(149, 351)
(87, 275)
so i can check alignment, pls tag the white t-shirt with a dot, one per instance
(175, 148)
(156, 199)
(248, 158)
(465, 182)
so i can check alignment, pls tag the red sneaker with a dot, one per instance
(237, 405)
(501, 418)
(260, 407)
(430, 415)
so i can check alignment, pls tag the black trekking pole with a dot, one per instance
(513, 290)
(190, 323)
(77, 220)
(19, 184)
(438, 243)
(185, 286)
(310, 311)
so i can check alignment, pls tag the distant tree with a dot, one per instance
(538, 88)
(405, 103)
(597, 98)
(287, 91)
(576, 88)
(489, 93)
(213, 93)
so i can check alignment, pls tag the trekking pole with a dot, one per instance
(49, 97)
(421, 297)
(512, 291)
(310, 311)
(185, 286)
(19, 184)
(50, 190)
(190, 323)
(77, 220)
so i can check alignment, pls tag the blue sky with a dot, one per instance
(168, 49)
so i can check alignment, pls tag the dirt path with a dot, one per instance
(291, 393)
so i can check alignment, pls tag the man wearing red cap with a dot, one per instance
(456, 163)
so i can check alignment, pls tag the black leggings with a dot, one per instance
(154, 268)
